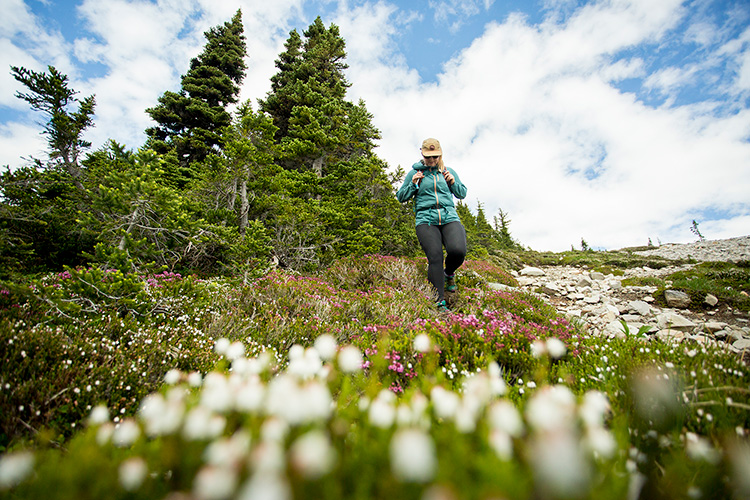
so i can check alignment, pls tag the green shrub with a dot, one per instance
(440, 375)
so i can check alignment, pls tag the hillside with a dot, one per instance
(346, 384)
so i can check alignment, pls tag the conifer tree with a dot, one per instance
(317, 126)
(49, 93)
(38, 201)
(280, 100)
(339, 192)
(190, 122)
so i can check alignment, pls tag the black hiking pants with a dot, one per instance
(452, 236)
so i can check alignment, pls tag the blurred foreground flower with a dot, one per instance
(326, 346)
(14, 468)
(215, 483)
(551, 408)
(99, 415)
(350, 359)
(413, 456)
(265, 487)
(422, 343)
(132, 472)
(312, 454)
(560, 467)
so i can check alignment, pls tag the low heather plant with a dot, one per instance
(348, 384)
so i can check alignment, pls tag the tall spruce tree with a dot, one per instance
(317, 126)
(190, 122)
(339, 193)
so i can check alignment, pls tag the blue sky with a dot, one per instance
(616, 121)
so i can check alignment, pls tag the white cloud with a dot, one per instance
(529, 118)
(20, 140)
(529, 115)
(145, 47)
(454, 13)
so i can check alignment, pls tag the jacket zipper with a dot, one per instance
(437, 200)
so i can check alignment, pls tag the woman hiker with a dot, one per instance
(434, 185)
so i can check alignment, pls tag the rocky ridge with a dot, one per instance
(604, 306)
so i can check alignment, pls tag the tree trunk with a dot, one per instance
(232, 195)
(131, 225)
(244, 206)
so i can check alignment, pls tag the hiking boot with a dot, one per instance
(442, 307)
(450, 284)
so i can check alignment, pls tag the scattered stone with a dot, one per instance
(674, 321)
(584, 282)
(531, 271)
(499, 287)
(731, 249)
(711, 300)
(595, 275)
(670, 335)
(593, 299)
(677, 299)
(714, 326)
(640, 307)
(601, 306)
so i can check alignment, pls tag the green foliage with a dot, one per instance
(694, 229)
(144, 220)
(727, 281)
(675, 406)
(49, 93)
(36, 233)
(93, 336)
(485, 241)
(191, 121)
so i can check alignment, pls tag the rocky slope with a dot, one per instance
(606, 307)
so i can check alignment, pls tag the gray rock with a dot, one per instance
(669, 334)
(714, 326)
(674, 321)
(640, 307)
(721, 334)
(711, 300)
(614, 329)
(499, 286)
(677, 299)
(584, 282)
(734, 335)
(593, 299)
(741, 344)
(595, 275)
(532, 271)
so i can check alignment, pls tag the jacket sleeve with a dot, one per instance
(408, 189)
(457, 188)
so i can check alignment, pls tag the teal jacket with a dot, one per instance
(433, 203)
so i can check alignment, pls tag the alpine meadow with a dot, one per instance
(239, 309)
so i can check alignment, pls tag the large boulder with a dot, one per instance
(531, 271)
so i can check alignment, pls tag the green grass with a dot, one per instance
(678, 413)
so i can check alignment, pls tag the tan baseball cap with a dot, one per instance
(431, 147)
